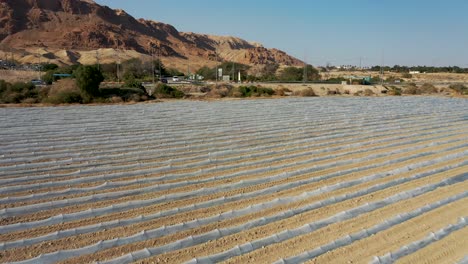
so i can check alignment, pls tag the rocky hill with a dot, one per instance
(67, 31)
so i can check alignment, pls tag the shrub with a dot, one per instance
(282, 91)
(165, 91)
(88, 79)
(30, 101)
(429, 88)
(66, 97)
(308, 92)
(368, 92)
(407, 76)
(412, 89)
(255, 91)
(333, 92)
(17, 92)
(116, 99)
(459, 88)
(222, 90)
(393, 90)
(64, 91)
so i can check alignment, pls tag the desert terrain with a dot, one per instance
(316, 180)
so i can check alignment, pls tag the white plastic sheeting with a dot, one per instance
(66, 139)
(7, 212)
(215, 234)
(211, 160)
(135, 204)
(131, 149)
(417, 245)
(236, 213)
(464, 260)
(108, 185)
(345, 215)
(365, 233)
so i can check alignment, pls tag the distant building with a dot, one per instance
(414, 72)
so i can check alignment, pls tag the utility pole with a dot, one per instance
(97, 59)
(233, 71)
(304, 79)
(216, 71)
(382, 70)
(39, 68)
(118, 66)
(188, 70)
(152, 62)
(159, 60)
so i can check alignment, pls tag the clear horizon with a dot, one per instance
(339, 32)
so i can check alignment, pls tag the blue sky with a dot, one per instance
(411, 32)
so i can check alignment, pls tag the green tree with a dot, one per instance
(292, 74)
(207, 73)
(88, 79)
(312, 73)
(49, 66)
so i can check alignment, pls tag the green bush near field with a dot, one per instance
(163, 90)
(459, 88)
(255, 91)
(15, 93)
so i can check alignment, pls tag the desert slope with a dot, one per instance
(62, 30)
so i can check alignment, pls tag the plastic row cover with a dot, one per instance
(149, 165)
(345, 215)
(215, 234)
(99, 197)
(179, 144)
(186, 127)
(231, 214)
(19, 188)
(135, 204)
(368, 232)
(464, 260)
(417, 245)
(97, 157)
(342, 111)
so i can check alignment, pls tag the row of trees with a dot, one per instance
(134, 71)
(428, 69)
(270, 72)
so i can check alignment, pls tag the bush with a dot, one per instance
(333, 92)
(255, 91)
(88, 79)
(368, 92)
(309, 92)
(429, 88)
(407, 76)
(412, 89)
(119, 95)
(17, 92)
(66, 97)
(393, 90)
(282, 91)
(163, 90)
(221, 91)
(459, 88)
(64, 92)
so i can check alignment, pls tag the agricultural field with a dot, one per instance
(294, 180)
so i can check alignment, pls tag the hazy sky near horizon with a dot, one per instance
(340, 32)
